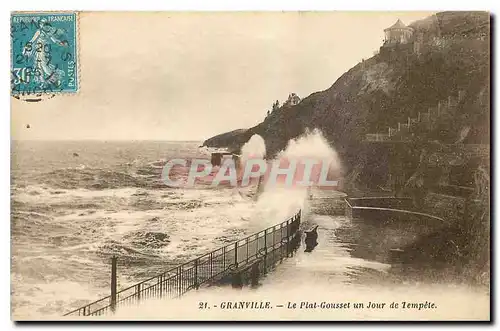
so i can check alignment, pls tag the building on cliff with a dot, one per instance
(293, 99)
(400, 39)
(398, 33)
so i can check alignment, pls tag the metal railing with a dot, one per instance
(269, 245)
(354, 211)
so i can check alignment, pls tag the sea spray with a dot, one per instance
(255, 147)
(279, 200)
(312, 145)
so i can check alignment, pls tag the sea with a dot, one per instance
(75, 204)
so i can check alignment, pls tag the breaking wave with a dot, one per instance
(279, 202)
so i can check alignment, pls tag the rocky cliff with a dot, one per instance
(440, 80)
(449, 56)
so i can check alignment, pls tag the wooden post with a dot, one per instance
(113, 283)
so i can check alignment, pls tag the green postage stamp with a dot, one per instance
(44, 53)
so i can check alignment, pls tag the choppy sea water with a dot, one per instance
(75, 204)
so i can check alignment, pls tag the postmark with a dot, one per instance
(44, 58)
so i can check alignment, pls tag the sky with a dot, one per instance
(190, 76)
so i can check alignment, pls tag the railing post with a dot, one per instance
(247, 248)
(160, 285)
(196, 273)
(179, 280)
(265, 250)
(113, 283)
(257, 243)
(288, 238)
(274, 236)
(281, 242)
(223, 259)
(138, 290)
(211, 264)
(236, 254)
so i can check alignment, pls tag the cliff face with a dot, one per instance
(450, 57)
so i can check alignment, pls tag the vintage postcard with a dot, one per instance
(250, 166)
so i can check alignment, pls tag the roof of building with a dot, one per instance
(398, 25)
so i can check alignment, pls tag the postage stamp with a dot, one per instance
(44, 53)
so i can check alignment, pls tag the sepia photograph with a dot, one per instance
(250, 165)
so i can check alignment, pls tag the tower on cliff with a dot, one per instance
(398, 33)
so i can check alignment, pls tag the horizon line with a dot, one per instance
(89, 139)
